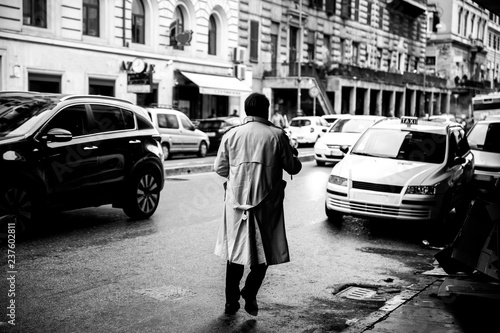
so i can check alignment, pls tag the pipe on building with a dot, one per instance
(124, 24)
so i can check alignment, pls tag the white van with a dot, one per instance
(178, 133)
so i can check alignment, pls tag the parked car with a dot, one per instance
(404, 170)
(62, 152)
(178, 133)
(343, 133)
(443, 118)
(308, 129)
(484, 140)
(215, 128)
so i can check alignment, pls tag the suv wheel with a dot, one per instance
(18, 207)
(143, 194)
(166, 151)
(202, 152)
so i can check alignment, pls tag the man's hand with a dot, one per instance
(295, 152)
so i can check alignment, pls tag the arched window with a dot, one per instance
(212, 36)
(138, 22)
(176, 28)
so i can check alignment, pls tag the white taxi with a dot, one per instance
(403, 169)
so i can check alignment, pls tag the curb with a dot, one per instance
(381, 314)
(188, 170)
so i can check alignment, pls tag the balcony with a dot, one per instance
(477, 45)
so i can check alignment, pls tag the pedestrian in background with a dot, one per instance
(252, 157)
(278, 120)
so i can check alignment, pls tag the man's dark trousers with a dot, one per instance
(234, 273)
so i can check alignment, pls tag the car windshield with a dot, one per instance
(351, 125)
(18, 114)
(300, 122)
(485, 137)
(402, 145)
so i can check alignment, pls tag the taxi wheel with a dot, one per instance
(202, 152)
(143, 194)
(334, 216)
(166, 151)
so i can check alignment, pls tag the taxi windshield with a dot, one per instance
(351, 125)
(18, 114)
(402, 145)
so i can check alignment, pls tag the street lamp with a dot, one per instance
(299, 60)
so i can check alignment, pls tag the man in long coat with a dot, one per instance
(252, 157)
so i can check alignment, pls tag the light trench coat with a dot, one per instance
(252, 157)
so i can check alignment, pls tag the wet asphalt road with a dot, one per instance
(92, 270)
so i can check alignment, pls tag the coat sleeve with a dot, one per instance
(221, 163)
(291, 163)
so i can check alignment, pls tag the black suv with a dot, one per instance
(62, 152)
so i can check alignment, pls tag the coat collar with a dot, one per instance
(257, 119)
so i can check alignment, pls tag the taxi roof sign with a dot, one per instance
(409, 120)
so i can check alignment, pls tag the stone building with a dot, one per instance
(176, 53)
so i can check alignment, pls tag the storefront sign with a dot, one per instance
(218, 91)
(139, 75)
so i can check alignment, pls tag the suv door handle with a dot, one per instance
(90, 148)
(134, 141)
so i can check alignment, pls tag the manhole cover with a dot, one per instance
(164, 293)
(362, 294)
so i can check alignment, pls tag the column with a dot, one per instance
(392, 104)
(352, 100)
(366, 104)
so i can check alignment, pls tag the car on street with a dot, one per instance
(484, 141)
(63, 152)
(215, 128)
(408, 169)
(443, 118)
(308, 129)
(343, 133)
(178, 133)
(330, 118)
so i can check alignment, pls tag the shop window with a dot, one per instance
(35, 13)
(212, 36)
(91, 17)
(176, 28)
(254, 41)
(101, 87)
(44, 83)
(138, 22)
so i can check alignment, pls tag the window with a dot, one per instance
(101, 87)
(254, 41)
(91, 17)
(44, 82)
(138, 22)
(356, 10)
(369, 14)
(212, 36)
(176, 27)
(35, 13)
(355, 54)
(111, 118)
(330, 7)
(73, 119)
(167, 121)
(381, 18)
(311, 43)
(186, 123)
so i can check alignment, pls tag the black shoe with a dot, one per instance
(231, 308)
(250, 303)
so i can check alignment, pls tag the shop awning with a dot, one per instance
(218, 85)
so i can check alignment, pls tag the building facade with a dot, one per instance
(175, 53)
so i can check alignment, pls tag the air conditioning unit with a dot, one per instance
(240, 71)
(239, 54)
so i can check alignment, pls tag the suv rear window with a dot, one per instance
(111, 118)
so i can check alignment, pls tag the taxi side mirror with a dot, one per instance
(344, 149)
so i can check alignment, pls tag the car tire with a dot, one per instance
(202, 151)
(19, 204)
(334, 216)
(320, 163)
(166, 151)
(143, 194)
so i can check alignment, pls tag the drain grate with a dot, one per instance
(362, 294)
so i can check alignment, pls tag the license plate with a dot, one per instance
(372, 198)
(484, 178)
(210, 134)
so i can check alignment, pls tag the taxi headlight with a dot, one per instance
(337, 180)
(430, 190)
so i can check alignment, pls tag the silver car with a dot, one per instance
(178, 133)
(484, 141)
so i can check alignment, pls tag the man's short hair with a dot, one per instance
(257, 105)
